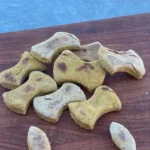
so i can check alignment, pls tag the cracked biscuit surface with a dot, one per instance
(121, 61)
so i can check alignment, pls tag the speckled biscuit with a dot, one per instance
(121, 61)
(122, 137)
(19, 99)
(88, 52)
(70, 68)
(37, 139)
(60, 41)
(50, 107)
(13, 77)
(86, 113)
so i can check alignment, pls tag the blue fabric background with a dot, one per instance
(28, 14)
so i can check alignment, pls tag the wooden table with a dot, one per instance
(123, 33)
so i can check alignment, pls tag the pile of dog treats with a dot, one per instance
(85, 65)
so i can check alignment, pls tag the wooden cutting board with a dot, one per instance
(123, 33)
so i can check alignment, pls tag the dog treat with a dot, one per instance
(122, 137)
(60, 41)
(70, 68)
(50, 107)
(86, 113)
(13, 77)
(37, 139)
(121, 61)
(88, 52)
(19, 99)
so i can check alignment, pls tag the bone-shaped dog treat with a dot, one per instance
(37, 139)
(19, 99)
(70, 68)
(13, 77)
(50, 107)
(121, 61)
(60, 41)
(86, 113)
(122, 137)
(88, 52)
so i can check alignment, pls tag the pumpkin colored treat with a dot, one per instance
(14, 77)
(19, 99)
(70, 68)
(86, 113)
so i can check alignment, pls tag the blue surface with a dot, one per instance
(28, 14)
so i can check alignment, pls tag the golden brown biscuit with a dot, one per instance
(37, 139)
(69, 68)
(86, 113)
(121, 61)
(45, 51)
(13, 77)
(19, 99)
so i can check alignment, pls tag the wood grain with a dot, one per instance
(123, 33)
